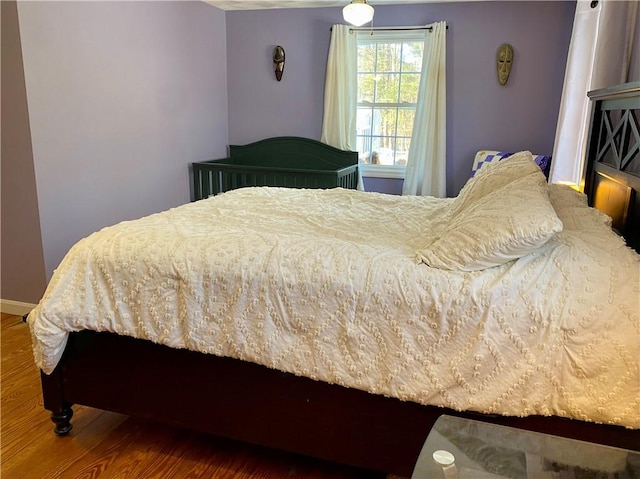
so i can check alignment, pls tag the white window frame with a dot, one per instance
(386, 171)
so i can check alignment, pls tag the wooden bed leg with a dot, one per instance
(52, 394)
(62, 420)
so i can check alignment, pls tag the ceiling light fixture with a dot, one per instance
(358, 12)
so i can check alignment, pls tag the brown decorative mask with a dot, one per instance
(504, 62)
(278, 61)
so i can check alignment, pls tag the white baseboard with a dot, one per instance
(15, 307)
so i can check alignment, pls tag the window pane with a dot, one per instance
(363, 121)
(370, 150)
(405, 121)
(366, 83)
(385, 121)
(363, 144)
(388, 57)
(387, 88)
(388, 73)
(366, 57)
(409, 85)
(385, 151)
(402, 150)
(375, 146)
(412, 56)
(363, 138)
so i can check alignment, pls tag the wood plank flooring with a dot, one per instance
(108, 445)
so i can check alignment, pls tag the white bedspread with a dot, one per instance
(325, 284)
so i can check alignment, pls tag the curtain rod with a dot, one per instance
(378, 29)
(367, 29)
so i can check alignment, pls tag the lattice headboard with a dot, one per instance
(612, 175)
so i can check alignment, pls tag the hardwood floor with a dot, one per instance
(107, 445)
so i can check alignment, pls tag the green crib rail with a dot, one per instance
(291, 162)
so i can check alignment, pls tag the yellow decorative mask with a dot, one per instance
(504, 62)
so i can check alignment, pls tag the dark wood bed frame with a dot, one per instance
(612, 175)
(255, 404)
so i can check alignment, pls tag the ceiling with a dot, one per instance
(264, 4)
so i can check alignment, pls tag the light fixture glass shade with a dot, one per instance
(358, 12)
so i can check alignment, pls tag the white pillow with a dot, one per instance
(502, 225)
(493, 176)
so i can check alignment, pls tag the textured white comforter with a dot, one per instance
(326, 284)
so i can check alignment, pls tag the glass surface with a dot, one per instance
(366, 85)
(389, 69)
(486, 451)
(387, 88)
(366, 57)
(389, 56)
(405, 121)
(409, 85)
(412, 56)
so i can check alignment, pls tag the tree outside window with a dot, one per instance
(389, 68)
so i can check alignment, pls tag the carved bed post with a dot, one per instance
(62, 420)
(61, 412)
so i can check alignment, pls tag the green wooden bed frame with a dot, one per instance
(287, 161)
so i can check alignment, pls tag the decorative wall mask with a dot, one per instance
(278, 61)
(504, 62)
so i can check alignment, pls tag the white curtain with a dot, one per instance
(426, 165)
(341, 92)
(599, 55)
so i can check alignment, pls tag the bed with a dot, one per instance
(284, 161)
(374, 404)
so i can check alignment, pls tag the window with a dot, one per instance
(389, 68)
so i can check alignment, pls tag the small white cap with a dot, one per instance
(444, 458)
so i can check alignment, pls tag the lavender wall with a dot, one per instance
(23, 276)
(122, 96)
(259, 105)
(480, 113)
(634, 65)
